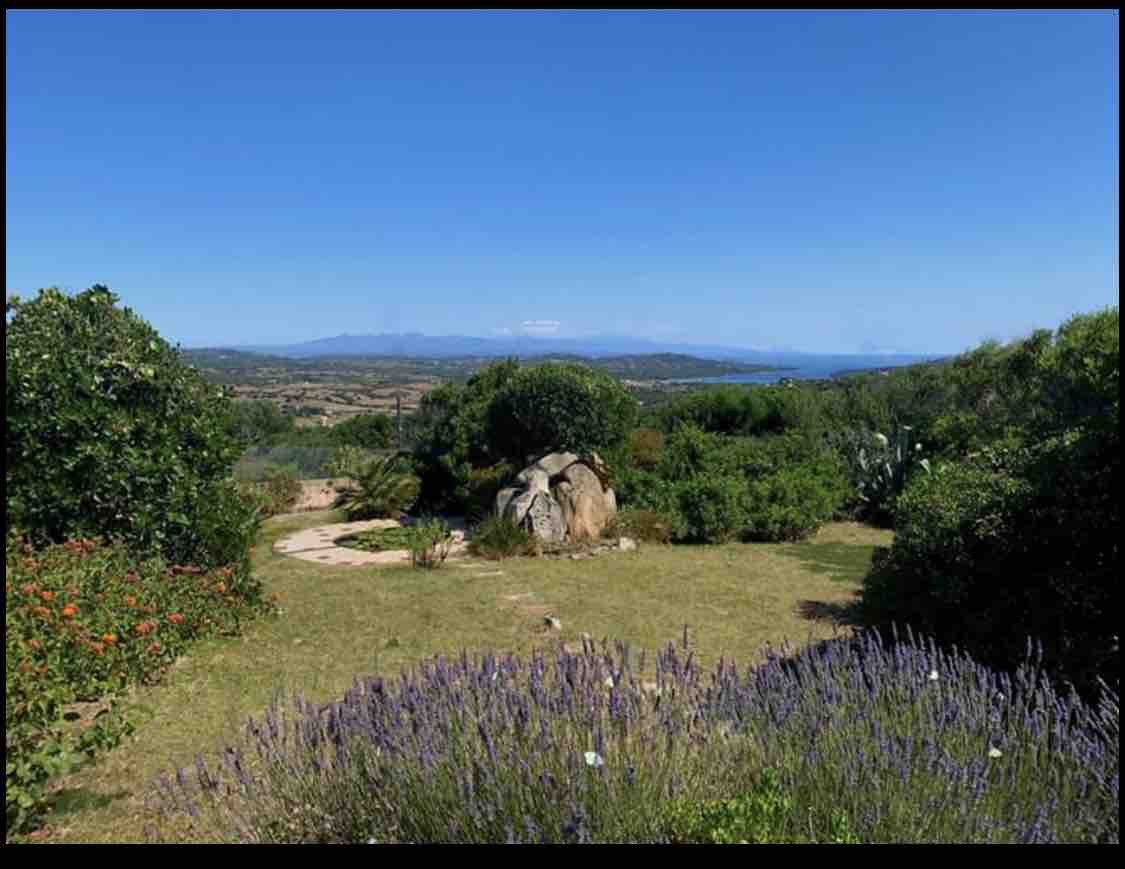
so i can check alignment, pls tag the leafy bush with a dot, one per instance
(451, 436)
(991, 551)
(646, 448)
(793, 502)
(483, 485)
(277, 494)
(728, 410)
(382, 489)
(711, 508)
(370, 431)
(498, 537)
(865, 744)
(558, 407)
(83, 621)
(430, 543)
(348, 461)
(259, 422)
(646, 525)
(108, 432)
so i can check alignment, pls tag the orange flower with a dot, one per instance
(109, 639)
(27, 588)
(33, 644)
(221, 588)
(43, 612)
(70, 611)
(145, 628)
(47, 595)
(130, 600)
(97, 648)
(176, 619)
(154, 648)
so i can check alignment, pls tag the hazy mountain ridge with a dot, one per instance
(446, 346)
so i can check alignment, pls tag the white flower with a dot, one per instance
(933, 675)
(994, 752)
(608, 682)
(594, 759)
(881, 439)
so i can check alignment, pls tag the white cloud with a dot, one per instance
(540, 327)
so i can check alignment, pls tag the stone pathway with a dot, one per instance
(319, 544)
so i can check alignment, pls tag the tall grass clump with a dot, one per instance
(847, 741)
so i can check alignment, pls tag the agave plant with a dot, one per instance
(383, 488)
(883, 471)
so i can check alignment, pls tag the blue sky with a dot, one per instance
(835, 182)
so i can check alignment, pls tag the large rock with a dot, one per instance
(583, 503)
(560, 497)
(545, 518)
(552, 464)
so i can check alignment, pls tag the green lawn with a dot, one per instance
(340, 622)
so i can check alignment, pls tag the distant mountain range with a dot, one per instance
(413, 344)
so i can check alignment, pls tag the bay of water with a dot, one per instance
(812, 367)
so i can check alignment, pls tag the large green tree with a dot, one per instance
(108, 432)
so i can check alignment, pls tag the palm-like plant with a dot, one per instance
(383, 489)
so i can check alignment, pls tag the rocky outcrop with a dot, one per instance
(561, 497)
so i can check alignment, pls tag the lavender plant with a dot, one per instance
(849, 741)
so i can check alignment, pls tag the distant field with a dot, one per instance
(328, 390)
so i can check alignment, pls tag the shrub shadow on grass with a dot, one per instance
(67, 801)
(841, 562)
(842, 614)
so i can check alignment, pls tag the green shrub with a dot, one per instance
(277, 494)
(348, 461)
(451, 436)
(711, 508)
(649, 526)
(382, 489)
(83, 621)
(498, 537)
(108, 432)
(991, 551)
(482, 487)
(793, 502)
(370, 431)
(430, 543)
(646, 448)
(558, 407)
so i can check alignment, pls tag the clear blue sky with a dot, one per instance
(829, 182)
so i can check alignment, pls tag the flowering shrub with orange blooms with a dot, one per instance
(83, 621)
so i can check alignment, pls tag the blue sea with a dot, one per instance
(800, 366)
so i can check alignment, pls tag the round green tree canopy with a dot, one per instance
(108, 432)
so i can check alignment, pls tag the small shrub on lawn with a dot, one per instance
(83, 621)
(864, 743)
(430, 543)
(645, 525)
(498, 537)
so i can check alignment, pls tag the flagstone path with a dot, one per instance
(319, 544)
